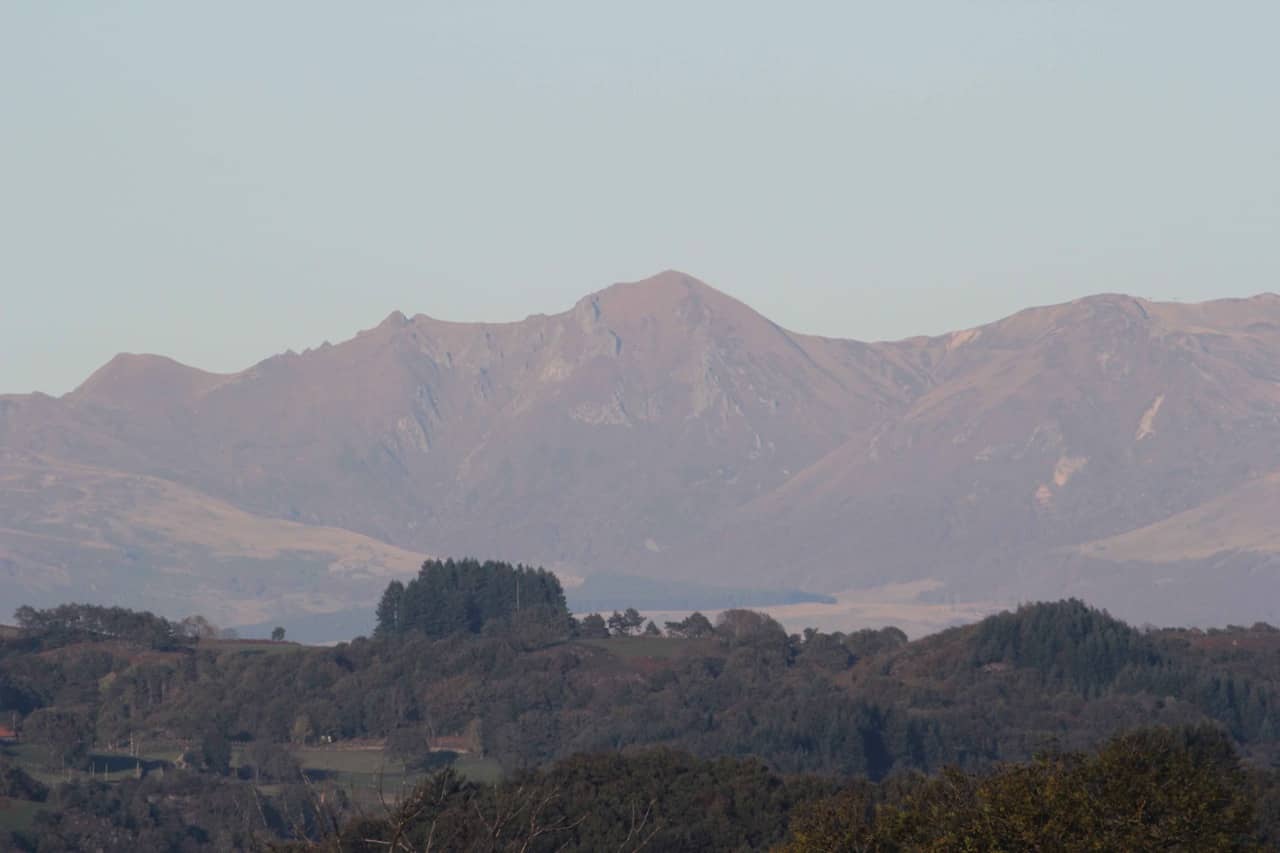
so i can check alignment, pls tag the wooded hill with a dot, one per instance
(530, 687)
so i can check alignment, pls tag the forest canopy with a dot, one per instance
(481, 662)
(453, 596)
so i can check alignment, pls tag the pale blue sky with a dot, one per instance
(221, 181)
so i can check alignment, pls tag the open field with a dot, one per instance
(367, 769)
(371, 778)
(17, 815)
(643, 647)
(478, 768)
(366, 773)
(252, 647)
(104, 766)
(363, 771)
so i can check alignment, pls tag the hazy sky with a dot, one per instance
(222, 181)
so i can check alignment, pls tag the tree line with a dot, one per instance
(529, 692)
(1150, 789)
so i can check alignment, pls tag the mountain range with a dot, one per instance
(1112, 448)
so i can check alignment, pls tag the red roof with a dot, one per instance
(7, 733)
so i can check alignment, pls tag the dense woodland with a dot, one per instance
(460, 596)
(694, 735)
(1148, 790)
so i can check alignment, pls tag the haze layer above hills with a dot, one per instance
(1116, 449)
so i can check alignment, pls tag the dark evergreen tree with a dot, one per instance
(1067, 641)
(461, 596)
(617, 624)
(692, 627)
(593, 627)
(389, 609)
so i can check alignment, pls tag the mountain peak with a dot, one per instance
(668, 293)
(666, 285)
(395, 320)
(663, 427)
(132, 376)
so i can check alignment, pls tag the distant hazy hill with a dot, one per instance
(1113, 448)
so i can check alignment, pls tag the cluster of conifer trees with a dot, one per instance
(461, 596)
